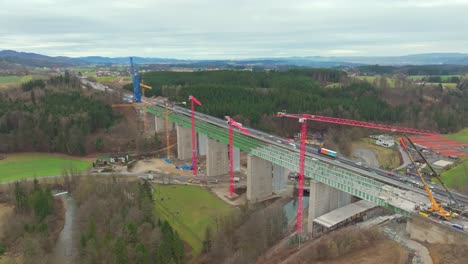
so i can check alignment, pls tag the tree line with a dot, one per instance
(53, 116)
(117, 224)
(243, 236)
(444, 69)
(254, 97)
(32, 228)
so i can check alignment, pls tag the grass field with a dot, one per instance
(89, 73)
(461, 136)
(457, 177)
(11, 80)
(444, 78)
(334, 85)
(107, 78)
(189, 209)
(21, 166)
(389, 158)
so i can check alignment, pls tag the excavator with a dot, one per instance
(435, 209)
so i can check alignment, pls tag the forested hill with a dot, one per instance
(52, 116)
(254, 97)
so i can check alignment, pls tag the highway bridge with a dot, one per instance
(375, 185)
(333, 180)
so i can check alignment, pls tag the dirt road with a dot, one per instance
(367, 155)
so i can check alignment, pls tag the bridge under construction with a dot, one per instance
(333, 182)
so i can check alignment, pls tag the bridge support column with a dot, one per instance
(279, 178)
(259, 178)
(324, 199)
(202, 142)
(236, 154)
(159, 125)
(184, 143)
(217, 161)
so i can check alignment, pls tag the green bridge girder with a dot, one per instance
(339, 178)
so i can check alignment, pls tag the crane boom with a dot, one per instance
(434, 205)
(356, 123)
(426, 188)
(451, 197)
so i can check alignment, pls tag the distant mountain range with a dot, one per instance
(37, 60)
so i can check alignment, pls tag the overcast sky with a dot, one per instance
(222, 29)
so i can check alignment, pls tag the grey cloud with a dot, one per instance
(233, 29)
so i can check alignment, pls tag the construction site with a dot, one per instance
(243, 165)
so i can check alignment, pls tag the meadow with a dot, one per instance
(189, 210)
(22, 166)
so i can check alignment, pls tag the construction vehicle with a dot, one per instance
(421, 213)
(435, 209)
(453, 203)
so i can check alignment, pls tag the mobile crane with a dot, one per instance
(435, 209)
(453, 203)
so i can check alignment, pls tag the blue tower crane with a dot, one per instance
(136, 83)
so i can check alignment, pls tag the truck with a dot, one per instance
(327, 152)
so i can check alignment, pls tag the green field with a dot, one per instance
(457, 177)
(366, 78)
(21, 166)
(14, 80)
(107, 78)
(189, 210)
(461, 136)
(89, 73)
(444, 78)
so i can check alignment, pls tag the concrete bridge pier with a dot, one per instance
(259, 178)
(217, 160)
(236, 154)
(184, 143)
(324, 199)
(279, 178)
(159, 125)
(202, 144)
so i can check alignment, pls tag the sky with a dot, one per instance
(233, 29)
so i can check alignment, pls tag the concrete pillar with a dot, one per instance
(259, 178)
(324, 199)
(279, 178)
(202, 141)
(184, 143)
(159, 125)
(236, 154)
(217, 161)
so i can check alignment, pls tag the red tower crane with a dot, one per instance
(232, 123)
(194, 101)
(303, 120)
